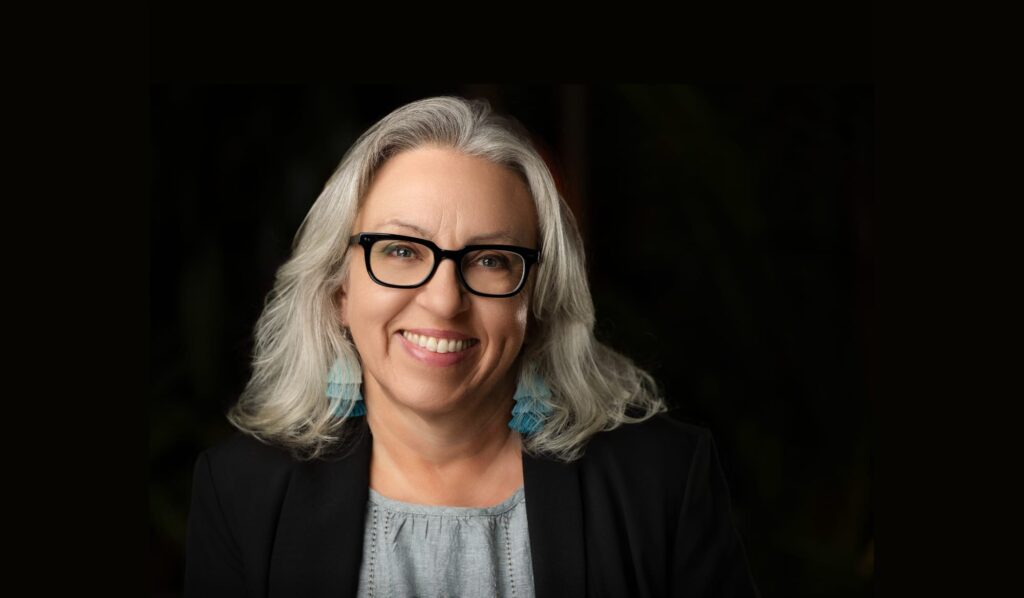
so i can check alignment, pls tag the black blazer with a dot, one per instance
(645, 512)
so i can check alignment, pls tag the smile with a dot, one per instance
(439, 345)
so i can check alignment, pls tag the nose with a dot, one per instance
(443, 294)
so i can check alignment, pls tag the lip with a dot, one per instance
(450, 334)
(434, 359)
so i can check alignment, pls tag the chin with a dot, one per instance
(430, 406)
(428, 397)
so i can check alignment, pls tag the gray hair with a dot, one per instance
(299, 335)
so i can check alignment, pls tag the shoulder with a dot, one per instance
(663, 436)
(243, 453)
(240, 466)
(656, 456)
(247, 469)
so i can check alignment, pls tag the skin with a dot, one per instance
(440, 434)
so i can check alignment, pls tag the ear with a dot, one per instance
(341, 301)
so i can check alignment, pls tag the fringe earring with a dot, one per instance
(344, 385)
(532, 403)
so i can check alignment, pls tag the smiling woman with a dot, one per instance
(416, 393)
(430, 412)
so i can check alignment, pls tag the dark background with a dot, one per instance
(730, 234)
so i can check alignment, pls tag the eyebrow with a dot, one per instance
(500, 235)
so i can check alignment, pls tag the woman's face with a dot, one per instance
(453, 200)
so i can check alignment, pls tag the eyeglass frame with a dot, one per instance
(366, 240)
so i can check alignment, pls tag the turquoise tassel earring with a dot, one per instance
(344, 386)
(532, 405)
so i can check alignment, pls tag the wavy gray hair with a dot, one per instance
(299, 335)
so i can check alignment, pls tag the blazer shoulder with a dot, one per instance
(242, 463)
(661, 434)
(657, 454)
(244, 450)
(238, 488)
(647, 466)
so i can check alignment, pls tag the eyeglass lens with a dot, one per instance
(407, 263)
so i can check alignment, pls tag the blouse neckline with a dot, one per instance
(443, 510)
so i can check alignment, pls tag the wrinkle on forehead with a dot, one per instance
(450, 197)
(504, 235)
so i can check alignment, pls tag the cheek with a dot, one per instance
(513, 321)
(522, 316)
(367, 307)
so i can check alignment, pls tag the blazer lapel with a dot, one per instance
(554, 515)
(318, 548)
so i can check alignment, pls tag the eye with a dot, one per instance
(400, 251)
(493, 261)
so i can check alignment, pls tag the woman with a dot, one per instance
(430, 413)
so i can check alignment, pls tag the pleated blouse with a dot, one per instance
(426, 550)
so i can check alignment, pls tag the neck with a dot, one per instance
(467, 456)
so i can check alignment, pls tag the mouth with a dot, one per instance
(437, 345)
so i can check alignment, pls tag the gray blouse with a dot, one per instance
(424, 550)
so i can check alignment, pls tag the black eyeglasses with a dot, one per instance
(403, 262)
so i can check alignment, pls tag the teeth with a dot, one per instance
(438, 345)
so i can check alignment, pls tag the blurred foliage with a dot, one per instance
(727, 232)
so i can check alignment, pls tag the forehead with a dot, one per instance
(449, 197)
